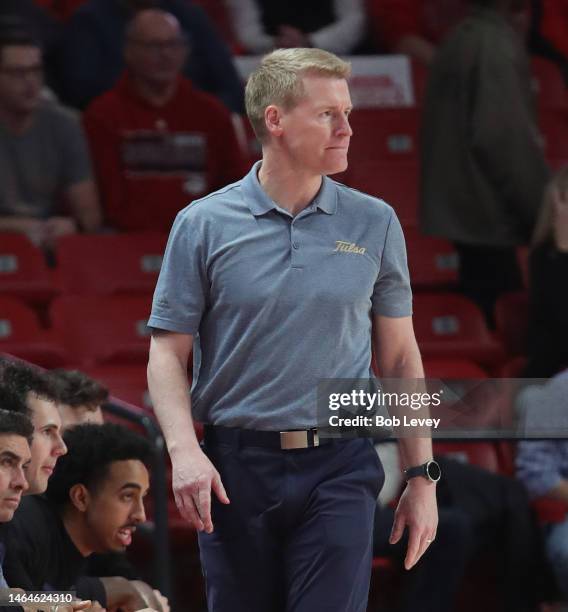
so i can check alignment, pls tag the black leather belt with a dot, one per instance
(285, 440)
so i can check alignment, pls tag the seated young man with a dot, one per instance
(37, 397)
(80, 401)
(80, 398)
(93, 504)
(15, 435)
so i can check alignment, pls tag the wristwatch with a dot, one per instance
(429, 470)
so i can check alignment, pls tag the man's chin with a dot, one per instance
(338, 168)
(6, 515)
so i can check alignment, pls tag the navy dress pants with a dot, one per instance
(297, 536)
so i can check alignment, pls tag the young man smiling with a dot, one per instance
(93, 504)
(253, 269)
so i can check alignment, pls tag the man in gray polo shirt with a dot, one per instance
(278, 278)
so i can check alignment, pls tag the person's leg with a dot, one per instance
(242, 558)
(485, 273)
(329, 548)
(557, 553)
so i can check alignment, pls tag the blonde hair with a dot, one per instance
(544, 225)
(278, 80)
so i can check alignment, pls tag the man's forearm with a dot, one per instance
(85, 205)
(414, 450)
(169, 390)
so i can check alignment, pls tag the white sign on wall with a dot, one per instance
(377, 81)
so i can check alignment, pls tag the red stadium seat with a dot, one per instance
(433, 262)
(449, 325)
(126, 382)
(511, 318)
(482, 454)
(23, 270)
(419, 80)
(554, 128)
(549, 510)
(22, 336)
(384, 134)
(453, 369)
(396, 182)
(103, 330)
(549, 84)
(109, 264)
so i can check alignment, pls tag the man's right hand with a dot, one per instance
(122, 594)
(193, 479)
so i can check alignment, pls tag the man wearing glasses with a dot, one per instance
(43, 154)
(157, 142)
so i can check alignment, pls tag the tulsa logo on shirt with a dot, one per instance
(342, 246)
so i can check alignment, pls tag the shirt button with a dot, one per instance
(295, 245)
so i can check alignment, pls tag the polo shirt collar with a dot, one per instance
(259, 202)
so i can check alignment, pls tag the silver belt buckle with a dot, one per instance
(290, 440)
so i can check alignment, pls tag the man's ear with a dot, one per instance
(273, 120)
(79, 496)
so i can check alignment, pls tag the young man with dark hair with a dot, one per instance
(80, 397)
(37, 392)
(43, 153)
(93, 504)
(15, 434)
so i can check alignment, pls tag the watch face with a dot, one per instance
(433, 470)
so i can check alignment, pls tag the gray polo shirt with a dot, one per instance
(276, 302)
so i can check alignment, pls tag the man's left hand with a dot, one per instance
(417, 510)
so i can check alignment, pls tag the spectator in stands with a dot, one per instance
(93, 504)
(482, 166)
(43, 153)
(80, 398)
(481, 514)
(37, 397)
(262, 25)
(414, 27)
(157, 142)
(548, 303)
(542, 465)
(91, 58)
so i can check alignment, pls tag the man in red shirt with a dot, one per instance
(157, 142)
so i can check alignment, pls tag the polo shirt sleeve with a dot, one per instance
(392, 296)
(183, 286)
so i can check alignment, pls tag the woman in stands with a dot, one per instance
(548, 319)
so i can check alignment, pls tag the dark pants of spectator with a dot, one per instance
(487, 272)
(503, 524)
(431, 585)
(297, 534)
